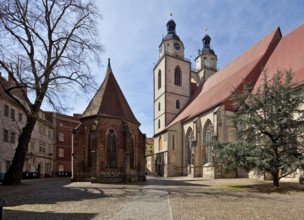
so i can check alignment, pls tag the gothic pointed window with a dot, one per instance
(111, 148)
(159, 79)
(177, 104)
(177, 76)
(209, 133)
(91, 146)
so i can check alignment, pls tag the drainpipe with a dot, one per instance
(72, 156)
(182, 149)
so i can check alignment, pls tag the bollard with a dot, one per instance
(2, 204)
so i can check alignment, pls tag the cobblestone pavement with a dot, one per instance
(157, 198)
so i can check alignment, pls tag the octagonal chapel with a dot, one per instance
(108, 145)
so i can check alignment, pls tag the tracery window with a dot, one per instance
(111, 148)
(189, 148)
(209, 133)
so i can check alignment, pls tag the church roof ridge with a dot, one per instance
(219, 87)
(287, 56)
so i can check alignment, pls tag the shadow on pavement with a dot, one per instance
(48, 191)
(30, 215)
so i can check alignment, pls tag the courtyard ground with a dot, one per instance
(157, 198)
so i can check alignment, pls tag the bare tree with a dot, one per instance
(46, 47)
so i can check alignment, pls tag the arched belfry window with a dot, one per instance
(111, 148)
(132, 153)
(177, 104)
(159, 79)
(178, 76)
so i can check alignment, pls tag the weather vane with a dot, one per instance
(171, 15)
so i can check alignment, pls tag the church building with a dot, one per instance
(192, 106)
(108, 145)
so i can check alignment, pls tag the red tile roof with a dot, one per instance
(288, 55)
(109, 100)
(219, 87)
(149, 141)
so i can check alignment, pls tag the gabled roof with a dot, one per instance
(219, 87)
(109, 100)
(288, 55)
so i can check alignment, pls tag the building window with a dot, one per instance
(159, 106)
(60, 167)
(13, 137)
(177, 104)
(158, 123)
(5, 135)
(13, 114)
(20, 117)
(42, 147)
(111, 148)
(6, 110)
(159, 79)
(173, 142)
(132, 153)
(177, 76)
(61, 136)
(60, 152)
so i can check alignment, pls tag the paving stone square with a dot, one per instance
(157, 198)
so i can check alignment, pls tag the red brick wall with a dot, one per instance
(99, 169)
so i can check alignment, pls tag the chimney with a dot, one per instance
(11, 81)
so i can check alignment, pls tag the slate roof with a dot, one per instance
(109, 100)
(219, 87)
(288, 55)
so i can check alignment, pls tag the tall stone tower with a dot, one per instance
(171, 79)
(206, 61)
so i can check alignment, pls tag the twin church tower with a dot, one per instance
(174, 78)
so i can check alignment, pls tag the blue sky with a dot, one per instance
(131, 31)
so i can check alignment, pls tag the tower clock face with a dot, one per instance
(176, 46)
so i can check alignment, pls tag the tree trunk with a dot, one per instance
(14, 173)
(276, 179)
